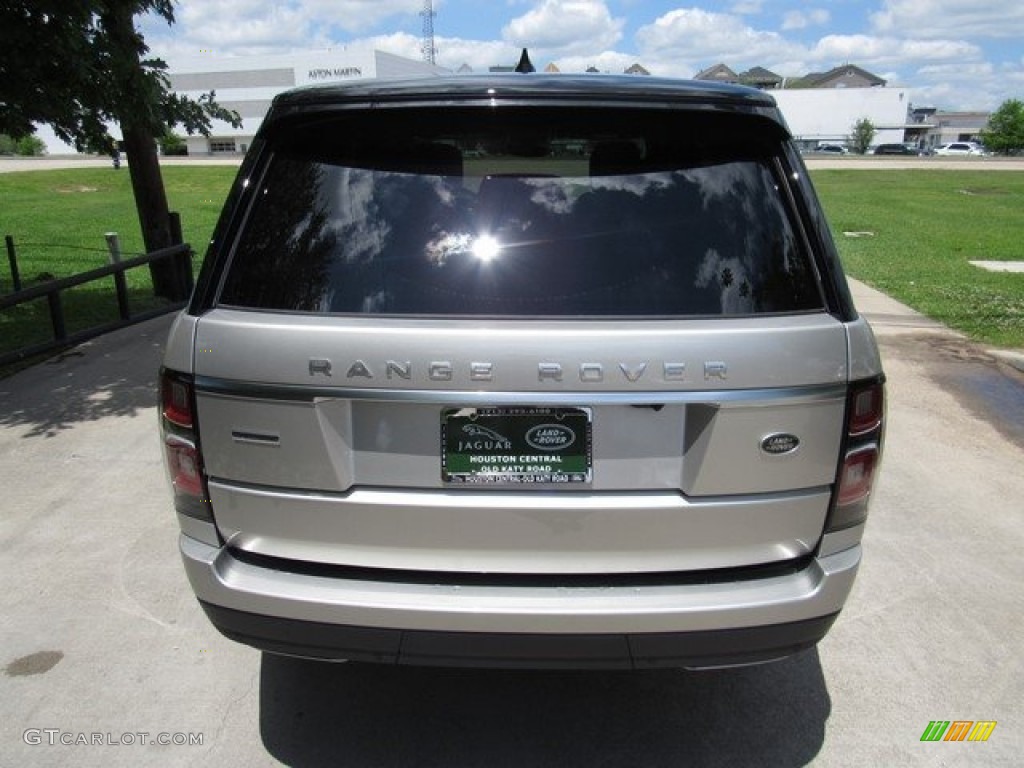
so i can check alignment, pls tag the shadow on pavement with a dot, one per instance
(112, 375)
(314, 713)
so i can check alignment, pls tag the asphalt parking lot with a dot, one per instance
(103, 643)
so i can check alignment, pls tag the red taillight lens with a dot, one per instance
(866, 409)
(183, 466)
(182, 453)
(862, 450)
(176, 400)
(857, 476)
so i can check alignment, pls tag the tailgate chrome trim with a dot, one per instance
(263, 391)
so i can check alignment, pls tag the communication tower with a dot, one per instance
(427, 47)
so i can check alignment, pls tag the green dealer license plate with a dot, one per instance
(515, 445)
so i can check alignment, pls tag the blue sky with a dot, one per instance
(952, 54)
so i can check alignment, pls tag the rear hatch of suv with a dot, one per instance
(547, 339)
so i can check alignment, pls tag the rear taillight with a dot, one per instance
(862, 450)
(182, 454)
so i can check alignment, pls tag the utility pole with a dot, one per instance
(427, 47)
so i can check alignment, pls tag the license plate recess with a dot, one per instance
(516, 444)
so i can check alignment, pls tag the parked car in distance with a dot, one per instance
(832, 149)
(962, 148)
(896, 149)
(523, 371)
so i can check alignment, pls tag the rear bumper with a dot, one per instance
(697, 625)
(710, 648)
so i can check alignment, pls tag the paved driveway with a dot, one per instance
(102, 641)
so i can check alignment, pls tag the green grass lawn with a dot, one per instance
(58, 220)
(926, 226)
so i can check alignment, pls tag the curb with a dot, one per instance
(1012, 358)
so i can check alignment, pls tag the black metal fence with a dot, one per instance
(180, 256)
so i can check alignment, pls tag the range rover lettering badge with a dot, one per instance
(780, 443)
(359, 368)
(633, 373)
(402, 370)
(481, 371)
(319, 365)
(715, 369)
(440, 371)
(674, 371)
(552, 371)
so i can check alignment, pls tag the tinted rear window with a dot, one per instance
(523, 213)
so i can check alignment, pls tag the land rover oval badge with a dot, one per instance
(780, 443)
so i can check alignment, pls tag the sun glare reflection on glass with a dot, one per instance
(486, 248)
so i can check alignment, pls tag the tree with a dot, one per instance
(27, 146)
(172, 144)
(30, 146)
(862, 136)
(79, 65)
(1005, 131)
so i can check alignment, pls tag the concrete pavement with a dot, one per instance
(102, 640)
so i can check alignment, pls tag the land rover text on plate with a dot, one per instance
(523, 370)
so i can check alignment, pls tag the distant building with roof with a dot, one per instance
(823, 106)
(931, 127)
(845, 76)
(719, 73)
(248, 84)
(636, 69)
(759, 77)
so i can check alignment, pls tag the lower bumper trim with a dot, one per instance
(694, 649)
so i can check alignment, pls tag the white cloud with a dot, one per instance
(608, 61)
(686, 40)
(248, 27)
(453, 52)
(934, 47)
(880, 52)
(234, 26)
(814, 17)
(945, 18)
(566, 26)
(692, 28)
(358, 15)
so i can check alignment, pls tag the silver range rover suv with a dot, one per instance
(523, 370)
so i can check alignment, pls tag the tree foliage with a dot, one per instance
(79, 65)
(1005, 131)
(172, 144)
(863, 133)
(26, 146)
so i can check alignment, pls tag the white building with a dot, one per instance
(828, 114)
(824, 106)
(247, 85)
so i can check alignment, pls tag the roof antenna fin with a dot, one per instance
(525, 66)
